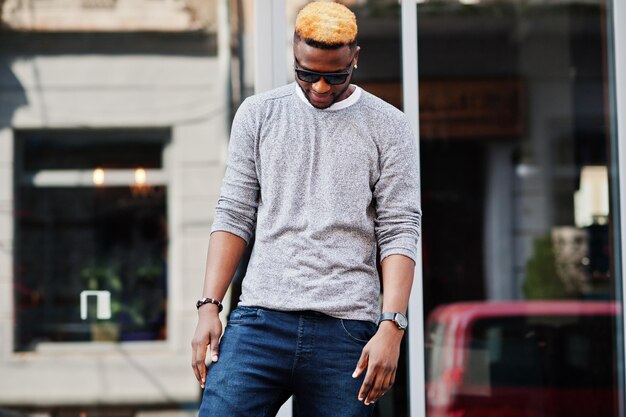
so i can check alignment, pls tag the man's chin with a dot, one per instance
(321, 107)
(320, 104)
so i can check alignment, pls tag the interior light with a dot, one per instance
(469, 1)
(140, 176)
(591, 201)
(98, 176)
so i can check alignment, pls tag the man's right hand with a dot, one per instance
(225, 250)
(208, 333)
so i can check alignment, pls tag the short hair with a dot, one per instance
(326, 25)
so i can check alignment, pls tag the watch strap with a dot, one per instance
(398, 318)
(387, 316)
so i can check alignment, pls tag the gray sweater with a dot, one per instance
(324, 189)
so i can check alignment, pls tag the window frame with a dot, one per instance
(616, 47)
(75, 178)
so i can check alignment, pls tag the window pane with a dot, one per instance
(517, 234)
(74, 244)
(45, 150)
(564, 346)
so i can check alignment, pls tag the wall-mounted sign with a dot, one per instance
(103, 304)
(463, 109)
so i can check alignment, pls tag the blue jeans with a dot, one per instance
(266, 356)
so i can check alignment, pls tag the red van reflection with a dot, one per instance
(530, 359)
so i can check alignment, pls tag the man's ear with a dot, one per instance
(356, 55)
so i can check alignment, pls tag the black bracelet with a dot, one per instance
(209, 300)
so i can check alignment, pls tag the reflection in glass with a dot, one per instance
(514, 123)
(486, 358)
(91, 259)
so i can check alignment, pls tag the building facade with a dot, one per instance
(113, 125)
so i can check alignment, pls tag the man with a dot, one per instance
(328, 176)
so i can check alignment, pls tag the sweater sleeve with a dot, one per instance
(397, 194)
(237, 206)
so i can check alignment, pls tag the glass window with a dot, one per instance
(515, 151)
(563, 346)
(87, 150)
(91, 241)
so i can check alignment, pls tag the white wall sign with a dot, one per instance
(103, 304)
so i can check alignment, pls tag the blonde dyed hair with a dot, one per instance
(326, 23)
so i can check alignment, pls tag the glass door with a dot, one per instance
(522, 290)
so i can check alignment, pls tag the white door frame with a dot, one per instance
(617, 74)
(410, 92)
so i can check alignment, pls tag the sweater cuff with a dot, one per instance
(404, 246)
(237, 231)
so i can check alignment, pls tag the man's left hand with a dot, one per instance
(380, 358)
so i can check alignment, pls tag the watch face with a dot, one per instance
(401, 320)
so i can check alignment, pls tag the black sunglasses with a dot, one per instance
(332, 78)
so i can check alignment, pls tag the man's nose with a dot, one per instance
(321, 86)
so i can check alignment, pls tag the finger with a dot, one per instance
(388, 381)
(215, 347)
(376, 390)
(366, 386)
(196, 371)
(195, 346)
(382, 383)
(386, 386)
(361, 364)
(360, 367)
(200, 364)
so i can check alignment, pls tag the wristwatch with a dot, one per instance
(398, 318)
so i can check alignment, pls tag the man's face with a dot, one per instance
(321, 94)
